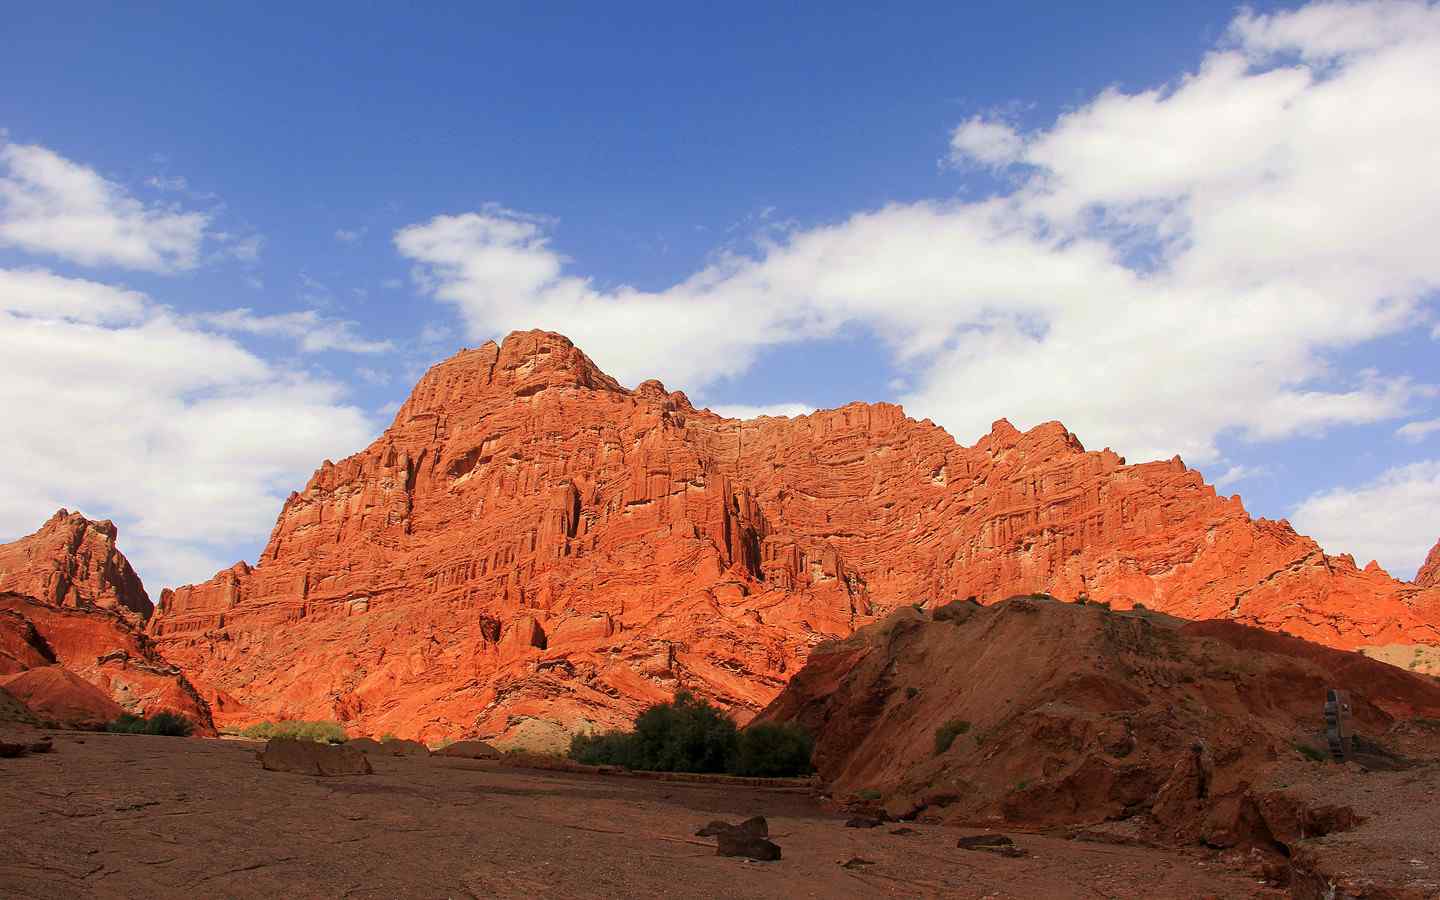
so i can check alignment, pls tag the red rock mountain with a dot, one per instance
(1429, 575)
(531, 548)
(72, 561)
(69, 598)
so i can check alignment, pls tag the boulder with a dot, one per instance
(470, 750)
(738, 842)
(311, 758)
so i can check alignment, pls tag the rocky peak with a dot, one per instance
(1429, 576)
(73, 561)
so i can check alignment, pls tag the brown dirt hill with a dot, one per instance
(1070, 714)
(531, 548)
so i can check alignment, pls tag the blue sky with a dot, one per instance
(230, 242)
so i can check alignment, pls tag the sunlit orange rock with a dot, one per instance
(68, 596)
(530, 549)
(1429, 575)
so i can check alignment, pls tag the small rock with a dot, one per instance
(42, 746)
(756, 825)
(975, 841)
(714, 828)
(467, 750)
(903, 830)
(310, 758)
(735, 842)
(856, 862)
(10, 751)
(863, 822)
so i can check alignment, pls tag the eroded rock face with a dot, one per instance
(69, 596)
(531, 549)
(1429, 575)
(72, 561)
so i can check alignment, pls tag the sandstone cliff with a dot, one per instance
(68, 596)
(72, 561)
(532, 548)
(1429, 575)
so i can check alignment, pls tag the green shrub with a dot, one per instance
(946, 734)
(127, 724)
(166, 723)
(774, 750)
(691, 735)
(1311, 753)
(296, 729)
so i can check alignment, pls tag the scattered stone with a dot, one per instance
(43, 745)
(856, 862)
(737, 842)
(714, 828)
(864, 822)
(903, 830)
(976, 841)
(310, 758)
(10, 751)
(756, 825)
(469, 750)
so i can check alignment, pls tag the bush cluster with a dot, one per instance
(691, 735)
(296, 729)
(946, 734)
(167, 723)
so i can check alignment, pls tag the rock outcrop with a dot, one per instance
(72, 561)
(1429, 574)
(71, 598)
(532, 549)
(1043, 713)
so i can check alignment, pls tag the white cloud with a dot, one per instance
(1240, 472)
(116, 406)
(1179, 264)
(744, 411)
(1394, 519)
(167, 182)
(1415, 432)
(986, 142)
(50, 205)
(312, 331)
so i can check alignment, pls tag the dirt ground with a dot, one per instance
(141, 816)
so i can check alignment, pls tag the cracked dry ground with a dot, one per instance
(140, 816)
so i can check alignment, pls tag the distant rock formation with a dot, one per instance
(1429, 576)
(71, 598)
(72, 561)
(531, 549)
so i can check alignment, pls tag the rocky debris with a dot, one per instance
(1081, 716)
(857, 862)
(747, 839)
(903, 831)
(863, 822)
(529, 541)
(975, 841)
(311, 758)
(1429, 574)
(738, 842)
(469, 750)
